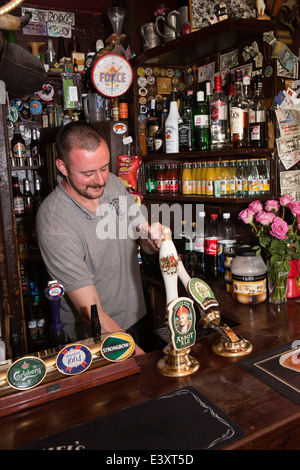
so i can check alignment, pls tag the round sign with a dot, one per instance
(112, 75)
(73, 359)
(26, 373)
(117, 347)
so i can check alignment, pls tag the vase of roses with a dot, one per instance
(277, 227)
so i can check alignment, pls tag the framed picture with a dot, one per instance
(203, 13)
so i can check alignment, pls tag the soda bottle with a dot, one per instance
(199, 242)
(211, 248)
(226, 238)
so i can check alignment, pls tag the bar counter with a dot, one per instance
(268, 418)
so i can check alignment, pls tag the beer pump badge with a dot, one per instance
(54, 291)
(74, 359)
(112, 75)
(26, 373)
(117, 347)
(202, 293)
(182, 319)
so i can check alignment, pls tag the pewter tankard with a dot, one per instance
(151, 39)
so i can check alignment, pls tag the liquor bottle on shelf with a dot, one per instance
(18, 147)
(258, 120)
(152, 127)
(171, 127)
(219, 116)
(159, 137)
(123, 108)
(239, 115)
(37, 196)
(185, 126)
(22, 243)
(211, 248)
(28, 198)
(200, 124)
(18, 200)
(61, 49)
(149, 180)
(35, 156)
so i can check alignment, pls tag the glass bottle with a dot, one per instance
(123, 108)
(200, 124)
(239, 178)
(173, 179)
(115, 109)
(258, 120)
(253, 178)
(224, 179)
(199, 242)
(217, 182)
(194, 180)
(18, 200)
(37, 196)
(203, 178)
(264, 177)
(219, 116)
(186, 179)
(209, 179)
(18, 147)
(245, 188)
(22, 242)
(239, 115)
(211, 247)
(185, 126)
(154, 174)
(159, 137)
(50, 54)
(161, 180)
(171, 127)
(151, 128)
(27, 196)
(149, 180)
(232, 174)
(35, 149)
(198, 178)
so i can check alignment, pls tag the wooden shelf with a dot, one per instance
(210, 154)
(199, 199)
(204, 42)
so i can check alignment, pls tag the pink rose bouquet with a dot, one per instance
(277, 227)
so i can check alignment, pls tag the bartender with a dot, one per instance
(87, 229)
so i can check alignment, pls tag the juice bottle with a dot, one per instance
(186, 179)
(232, 173)
(209, 179)
(161, 180)
(194, 178)
(225, 178)
(198, 178)
(217, 182)
(203, 178)
(173, 179)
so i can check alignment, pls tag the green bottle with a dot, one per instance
(200, 124)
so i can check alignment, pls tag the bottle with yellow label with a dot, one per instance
(203, 178)
(209, 179)
(198, 178)
(225, 179)
(186, 179)
(232, 174)
(194, 180)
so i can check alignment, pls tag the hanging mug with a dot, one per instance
(151, 39)
(93, 106)
(170, 26)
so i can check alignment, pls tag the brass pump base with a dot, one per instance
(232, 349)
(177, 363)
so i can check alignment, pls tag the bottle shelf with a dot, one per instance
(193, 198)
(204, 42)
(209, 154)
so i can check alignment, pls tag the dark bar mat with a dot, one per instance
(181, 420)
(279, 368)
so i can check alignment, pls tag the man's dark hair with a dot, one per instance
(79, 134)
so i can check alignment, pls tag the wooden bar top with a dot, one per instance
(269, 419)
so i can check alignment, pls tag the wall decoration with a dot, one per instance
(202, 12)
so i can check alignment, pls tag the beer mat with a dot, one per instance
(183, 419)
(279, 368)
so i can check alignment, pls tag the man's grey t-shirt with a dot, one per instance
(82, 248)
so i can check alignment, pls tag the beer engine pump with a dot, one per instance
(180, 316)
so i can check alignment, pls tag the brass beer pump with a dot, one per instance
(177, 361)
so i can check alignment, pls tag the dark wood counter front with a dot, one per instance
(268, 418)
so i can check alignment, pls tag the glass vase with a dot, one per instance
(277, 282)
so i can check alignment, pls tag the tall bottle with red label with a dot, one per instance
(211, 248)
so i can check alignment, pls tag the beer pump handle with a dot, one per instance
(54, 293)
(168, 260)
